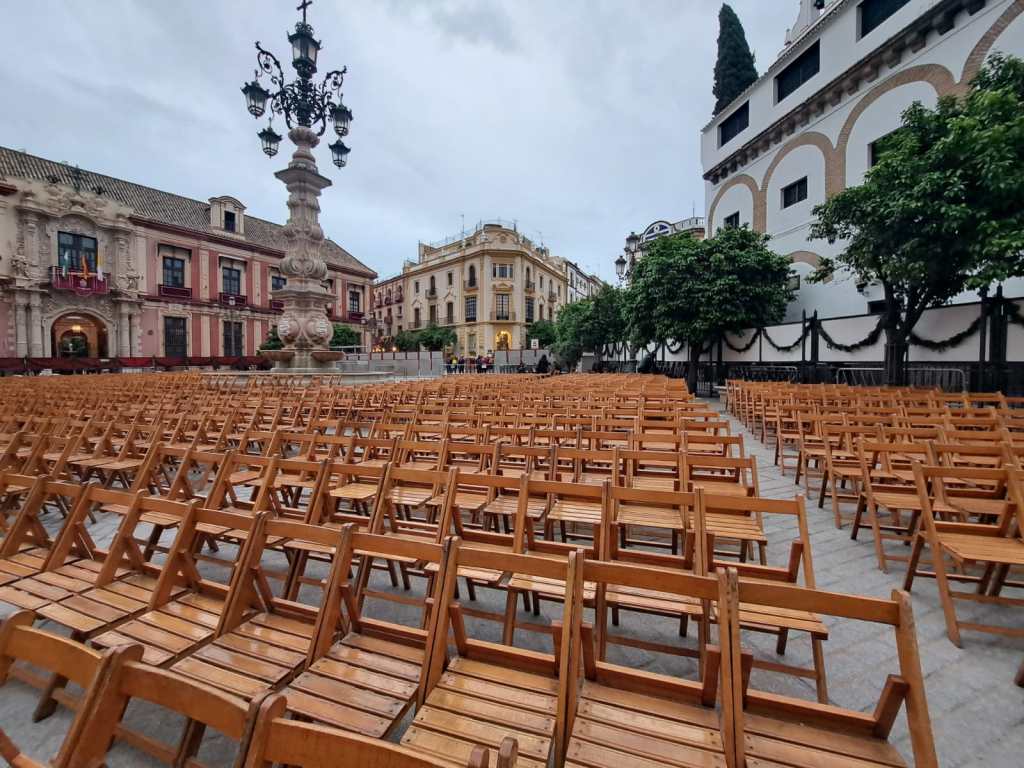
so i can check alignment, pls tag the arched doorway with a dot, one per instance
(503, 341)
(77, 334)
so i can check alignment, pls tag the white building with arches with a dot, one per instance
(808, 127)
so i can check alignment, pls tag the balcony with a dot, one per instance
(398, 297)
(378, 301)
(449, 320)
(276, 304)
(503, 317)
(431, 293)
(387, 300)
(174, 291)
(79, 282)
(355, 317)
(468, 286)
(530, 286)
(552, 297)
(232, 299)
(415, 326)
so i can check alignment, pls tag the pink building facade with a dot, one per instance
(96, 267)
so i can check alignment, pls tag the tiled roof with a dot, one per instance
(165, 207)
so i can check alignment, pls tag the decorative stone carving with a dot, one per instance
(304, 326)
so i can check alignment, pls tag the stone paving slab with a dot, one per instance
(977, 711)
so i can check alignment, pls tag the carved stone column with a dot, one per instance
(35, 326)
(304, 326)
(20, 325)
(124, 345)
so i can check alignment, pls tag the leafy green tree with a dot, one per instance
(407, 341)
(345, 336)
(590, 324)
(569, 331)
(690, 290)
(734, 69)
(942, 209)
(436, 338)
(544, 331)
(273, 341)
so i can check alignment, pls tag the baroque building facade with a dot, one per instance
(489, 285)
(98, 267)
(815, 121)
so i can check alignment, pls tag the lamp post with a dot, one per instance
(307, 108)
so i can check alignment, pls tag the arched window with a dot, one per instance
(472, 275)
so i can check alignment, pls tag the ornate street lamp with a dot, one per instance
(307, 108)
(620, 266)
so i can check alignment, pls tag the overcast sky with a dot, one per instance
(579, 119)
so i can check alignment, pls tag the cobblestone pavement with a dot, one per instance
(977, 712)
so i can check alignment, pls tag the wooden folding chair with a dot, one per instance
(992, 542)
(773, 728)
(486, 691)
(620, 715)
(202, 706)
(20, 642)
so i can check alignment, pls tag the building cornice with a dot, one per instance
(941, 18)
(241, 245)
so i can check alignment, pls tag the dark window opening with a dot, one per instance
(229, 221)
(873, 13)
(529, 310)
(878, 147)
(794, 193)
(471, 309)
(277, 282)
(76, 253)
(876, 307)
(806, 66)
(732, 221)
(232, 279)
(174, 272)
(355, 301)
(734, 125)
(232, 338)
(175, 337)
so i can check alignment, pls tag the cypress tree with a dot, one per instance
(734, 70)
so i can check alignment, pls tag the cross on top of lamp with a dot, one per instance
(302, 102)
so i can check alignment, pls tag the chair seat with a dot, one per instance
(739, 527)
(476, 703)
(770, 618)
(354, 491)
(552, 588)
(621, 728)
(652, 601)
(363, 684)
(507, 506)
(651, 517)
(770, 741)
(409, 497)
(572, 511)
(990, 549)
(723, 488)
(464, 500)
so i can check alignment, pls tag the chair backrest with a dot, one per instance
(761, 717)
(86, 667)
(128, 679)
(276, 740)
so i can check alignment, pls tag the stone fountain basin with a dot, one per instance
(326, 355)
(278, 355)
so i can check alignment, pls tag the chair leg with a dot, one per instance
(819, 669)
(780, 643)
(946, 596)
(879, 548)
(509, 627)
(191, 740)
(915, 558)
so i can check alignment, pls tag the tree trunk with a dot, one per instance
(896, 348)
(691, 369)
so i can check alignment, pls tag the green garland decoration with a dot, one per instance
(752, 342)
(953, 341)
(867, 341)
(788, 347)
